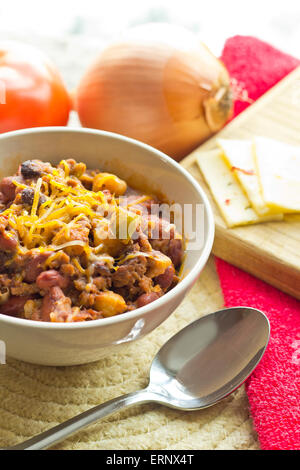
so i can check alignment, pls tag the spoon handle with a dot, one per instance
(61, 431)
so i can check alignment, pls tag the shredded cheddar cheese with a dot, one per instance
(73, 249)
(36, 197)
(78, 265)
(56, 222)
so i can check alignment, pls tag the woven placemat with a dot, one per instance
(34, 398)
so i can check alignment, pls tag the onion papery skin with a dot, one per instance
(167, 97)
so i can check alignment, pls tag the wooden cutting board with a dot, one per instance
(270, 251)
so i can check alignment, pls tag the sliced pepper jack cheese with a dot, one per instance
(227, 192)
(238, 155)
(278, 166)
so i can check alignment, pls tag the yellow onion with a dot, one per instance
(158, 85)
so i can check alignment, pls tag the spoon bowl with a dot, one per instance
(210, 358)
(199, 366)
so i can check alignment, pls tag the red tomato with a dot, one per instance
(32, 92)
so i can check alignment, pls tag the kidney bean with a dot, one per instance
(175, 251)
(27, 196)
(7, 241)
(8, 188)
(32, 169)
(56, 303)
(34, 265)
(14, 306)
(165, 280)
(145, 299)
(51, 278)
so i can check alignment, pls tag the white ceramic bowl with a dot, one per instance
(139, 164)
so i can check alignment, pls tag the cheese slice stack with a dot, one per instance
(253, 181)
(239, 156)
(227, 192)
(278, 166)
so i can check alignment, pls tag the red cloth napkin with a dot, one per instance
(274, 387)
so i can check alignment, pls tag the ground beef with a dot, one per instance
(22, 288)
(17, 287)
(102, 283)
(5, 256)
(173, 248)
(130, 272)
(100, 269)
(80, 231)
(102, 280)
(59, 259)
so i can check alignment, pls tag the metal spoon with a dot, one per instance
(196, 368)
